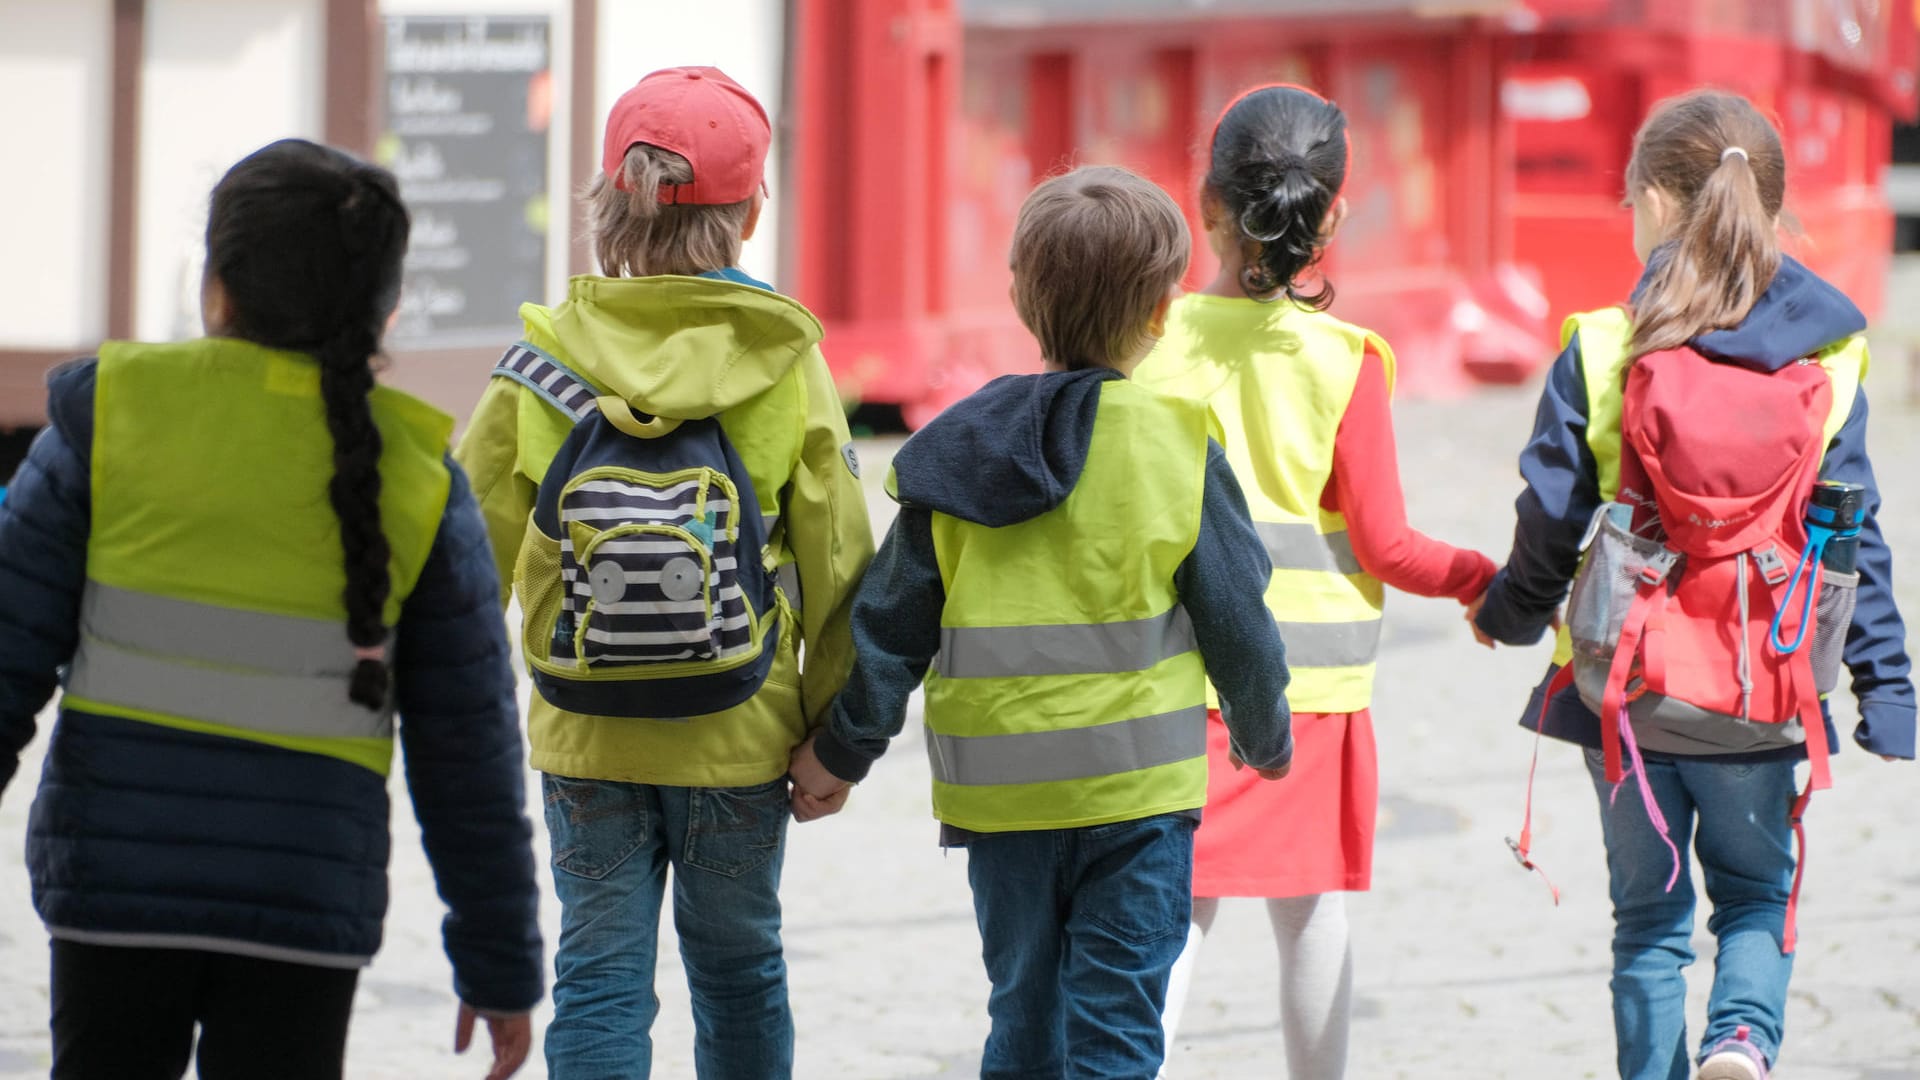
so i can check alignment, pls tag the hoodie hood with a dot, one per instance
(679, 347)
(1799, 315)
(1006, 454)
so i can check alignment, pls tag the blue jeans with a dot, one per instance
(1737, 818)
(612, 844)
(1080, 929)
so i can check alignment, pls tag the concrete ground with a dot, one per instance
(1464, 966)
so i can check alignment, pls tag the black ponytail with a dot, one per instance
(307, 243)
(1279, 160)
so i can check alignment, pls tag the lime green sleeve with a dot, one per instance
(832, 541)
(489, 451)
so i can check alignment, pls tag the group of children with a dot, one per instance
(1142, 584)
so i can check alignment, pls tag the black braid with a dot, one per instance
(346, 380)
(307, 242)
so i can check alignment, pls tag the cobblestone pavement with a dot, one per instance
(1465, 969)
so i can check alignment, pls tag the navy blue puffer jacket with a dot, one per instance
(144, 835)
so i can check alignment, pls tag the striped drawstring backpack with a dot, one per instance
(643, 578)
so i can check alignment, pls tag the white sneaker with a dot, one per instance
(1734, 1059)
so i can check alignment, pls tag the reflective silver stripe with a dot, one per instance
(309, 705)
(273, 674)
(229, 637)
(988, 652)
(1298, 546)
(1073, 754)
(788, 579)
(200, 943)
(1331, 644)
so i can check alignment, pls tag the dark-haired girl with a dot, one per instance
(248, 558)
(1303, 397)
(1706, 184)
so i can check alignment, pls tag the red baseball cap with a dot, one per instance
(705, 117)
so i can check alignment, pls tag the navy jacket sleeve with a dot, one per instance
(44, 520)
(1876, 651)
(460, 732)
(896, 632)
(1222, 585)
(1561, 496)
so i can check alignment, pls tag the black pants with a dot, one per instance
(129, 1014)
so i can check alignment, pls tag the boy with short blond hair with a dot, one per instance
(694, 792)
(1071, 561)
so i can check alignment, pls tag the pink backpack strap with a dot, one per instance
(1613, 702)
(1790, 933)
(1523, 848)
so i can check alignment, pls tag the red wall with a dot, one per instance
(1485, 192)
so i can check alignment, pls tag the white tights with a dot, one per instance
(1316, 980)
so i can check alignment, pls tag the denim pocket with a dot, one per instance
(595, 825)
(1138, 878)
(735, 831)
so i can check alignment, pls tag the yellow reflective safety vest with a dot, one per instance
(1279, 378)
(1603, 365)
(1068, 689)
(213, 600)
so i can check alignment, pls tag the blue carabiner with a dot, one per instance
(1809, 560)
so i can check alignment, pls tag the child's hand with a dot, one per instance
(1473, 611)
(810, 777)
(807, 808)
(1279, 773)
(512, 1038)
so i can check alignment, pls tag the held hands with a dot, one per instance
(1473, 613)
(1484, 638)
(1279, 773)
(817, 793)
(512, 1038)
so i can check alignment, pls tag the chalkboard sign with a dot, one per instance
(469, 106)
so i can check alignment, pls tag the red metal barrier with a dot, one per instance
(1488, 158)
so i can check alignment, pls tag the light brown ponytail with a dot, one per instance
(1719, 162)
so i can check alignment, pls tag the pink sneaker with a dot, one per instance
(1734, 1059)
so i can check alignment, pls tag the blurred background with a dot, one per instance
(1489, 141)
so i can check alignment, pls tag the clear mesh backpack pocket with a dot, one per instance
(1833, 615)
(1608, 581)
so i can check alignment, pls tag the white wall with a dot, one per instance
(223, 78)
(56, 81)
(744, 38)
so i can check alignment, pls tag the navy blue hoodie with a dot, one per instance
(1797, 316)
(1007, 454)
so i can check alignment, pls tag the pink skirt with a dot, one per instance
(1309, 833)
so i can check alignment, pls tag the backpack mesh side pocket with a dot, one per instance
(1833, 615)
(1607, 583)
(537, 572)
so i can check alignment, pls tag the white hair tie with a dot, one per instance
(1732, 150)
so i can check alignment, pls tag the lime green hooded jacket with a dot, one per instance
(688, 348)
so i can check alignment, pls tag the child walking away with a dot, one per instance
(668, 444)
(249, 557)
(1072, 557)
(1715, 603)
(1304, 400)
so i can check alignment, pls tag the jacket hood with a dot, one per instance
(1799, 315)
(1006, 454)
(679, 347)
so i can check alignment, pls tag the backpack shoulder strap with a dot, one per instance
(556, 383)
